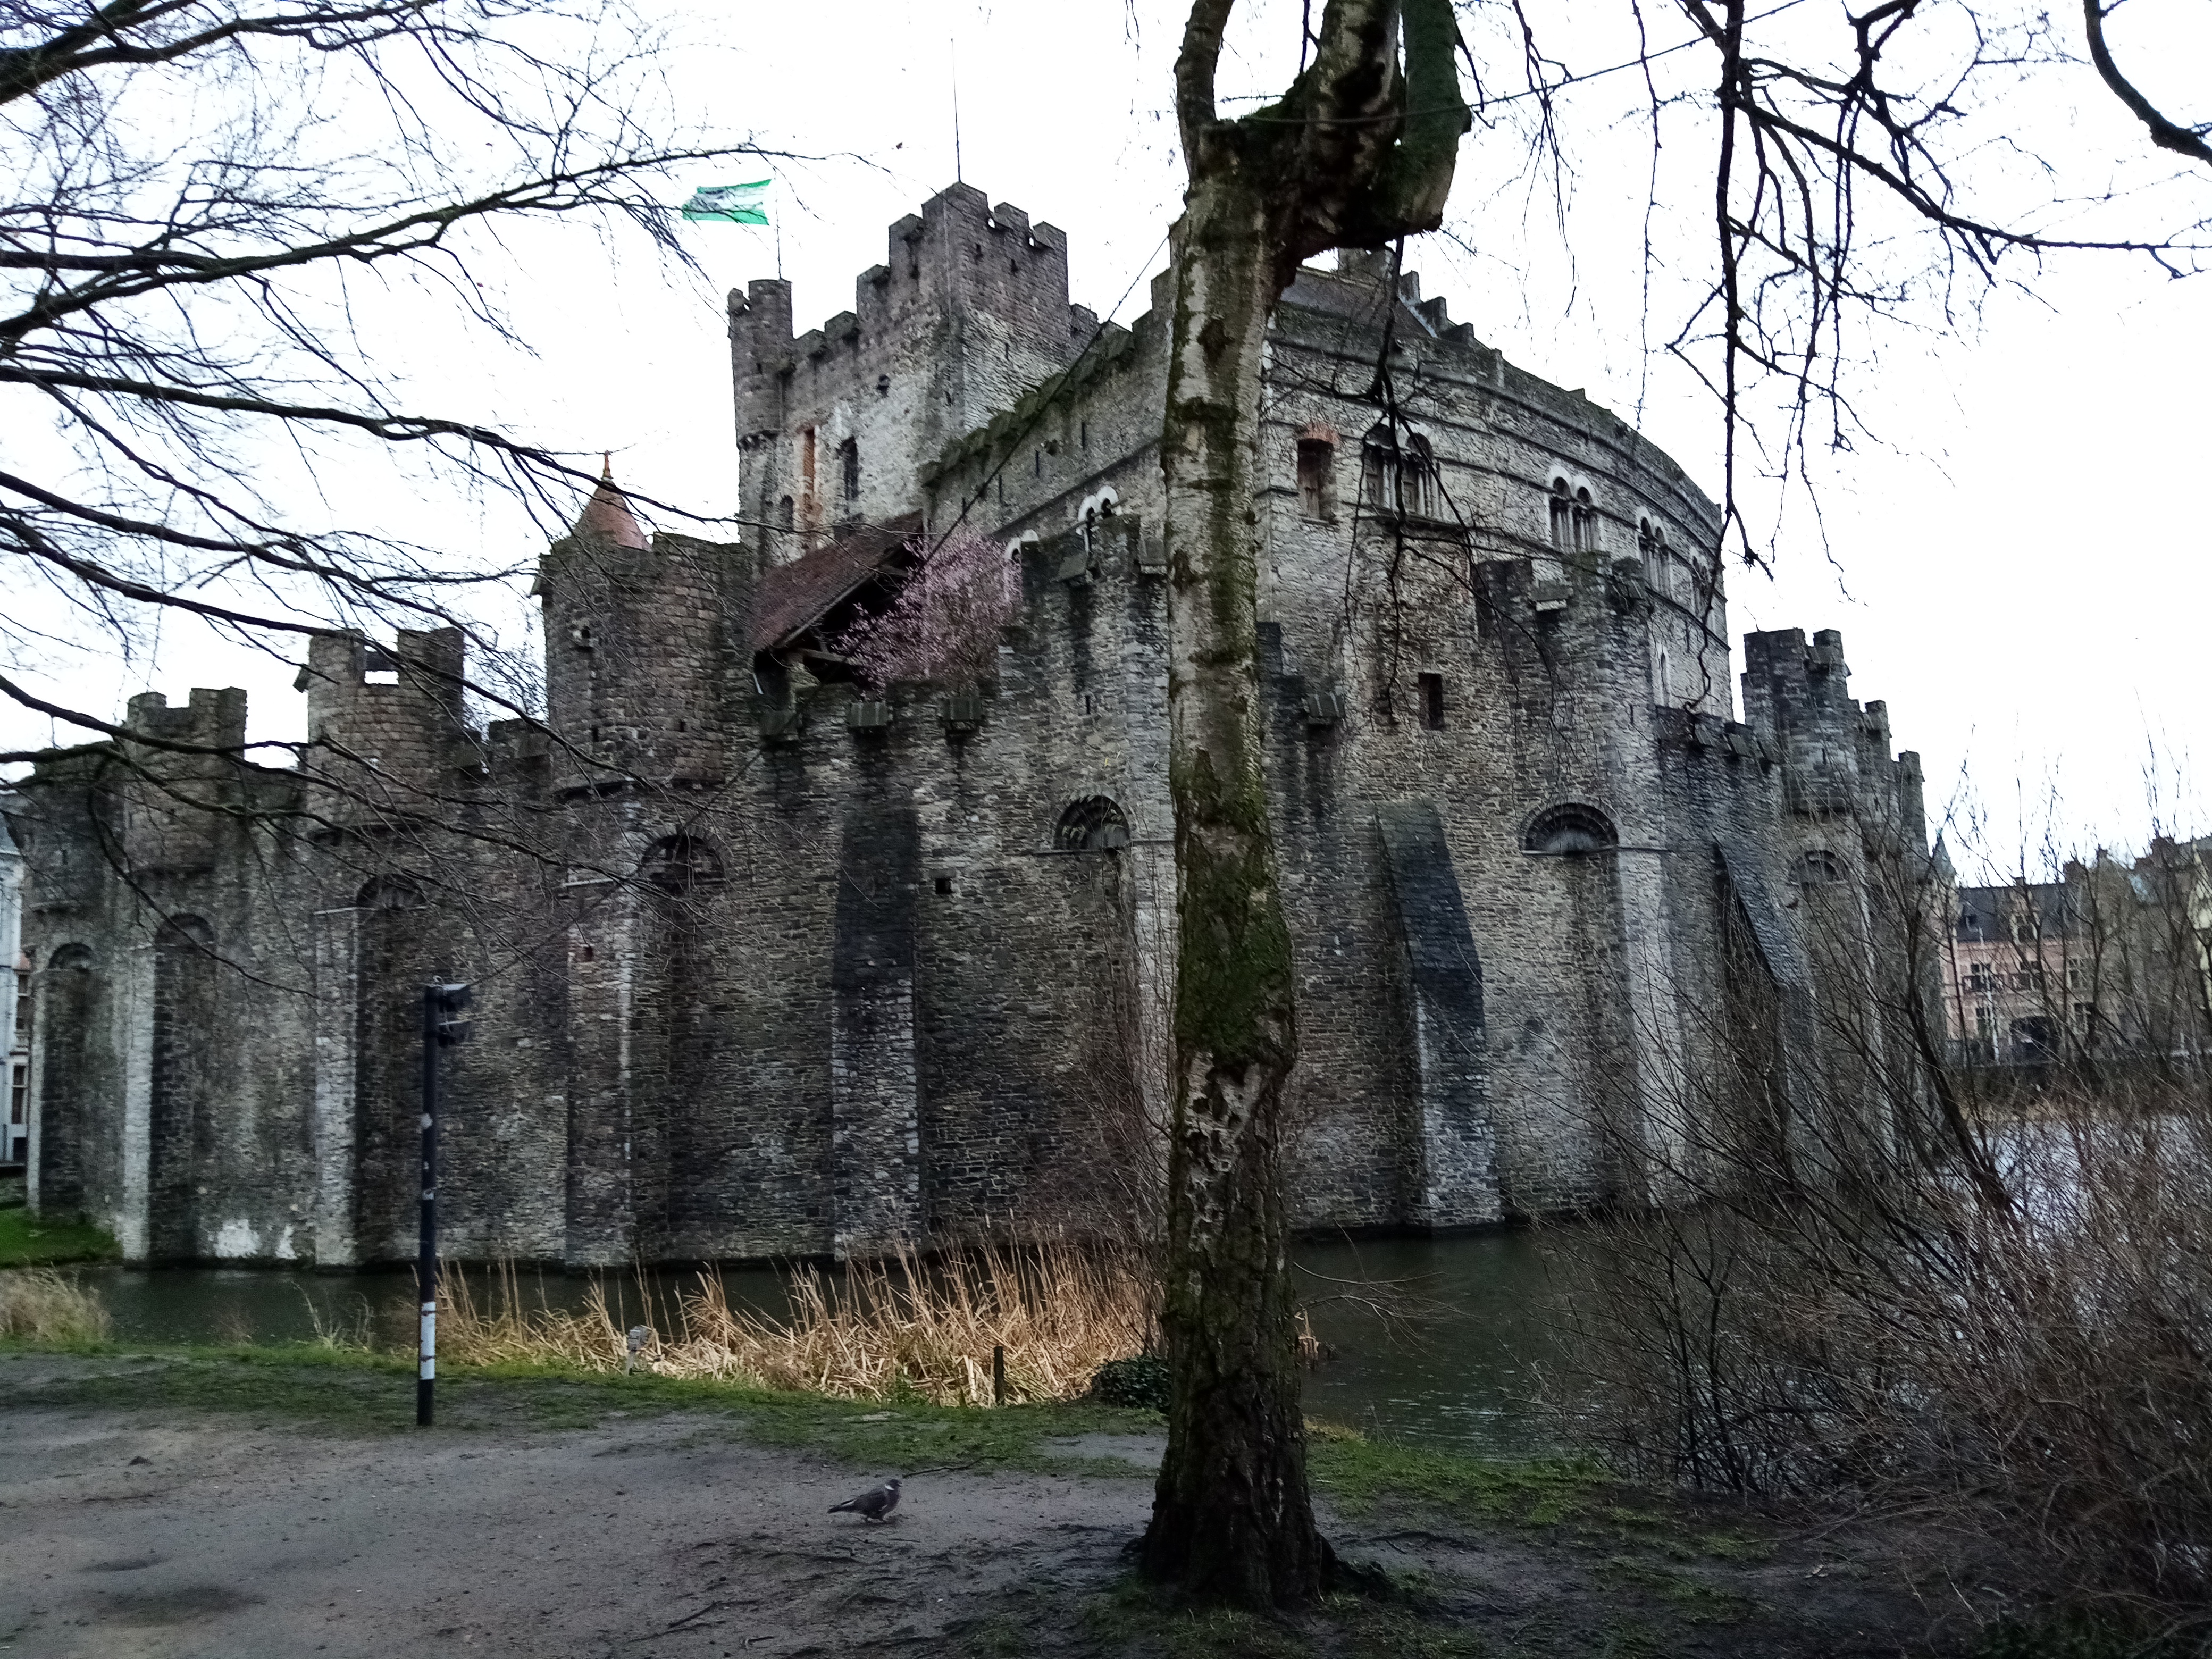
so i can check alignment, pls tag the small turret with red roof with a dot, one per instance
(606, 517)
(634, 655)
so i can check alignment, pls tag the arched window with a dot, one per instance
(1101, 504)
(1658, 568)
(1818, 868)
(1317, 480)
(388, 893)
(1096, 823)
(1398, 476)
(69, 1015)
(1418, 480)
(783, 513)
(849, 467)
(180, 1128)
(1378, 468)
(1585, 522)
(1571, 827)
(1563, 515)
(676, 864)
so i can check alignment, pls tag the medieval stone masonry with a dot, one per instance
(769, 961)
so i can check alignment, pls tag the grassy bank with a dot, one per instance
(27, 1241)
(350, 1390)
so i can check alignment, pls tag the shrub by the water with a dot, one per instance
(1977, 1294)
(1141, 1382)
(44, 1306)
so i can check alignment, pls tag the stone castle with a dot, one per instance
(768, 964)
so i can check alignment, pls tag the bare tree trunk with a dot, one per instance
(1232, 1516)
(1337, 162)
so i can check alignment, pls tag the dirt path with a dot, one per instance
(664, 1539)
(130, 1529)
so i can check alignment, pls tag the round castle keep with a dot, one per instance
(819, 967)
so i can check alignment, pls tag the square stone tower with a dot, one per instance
(969, 311)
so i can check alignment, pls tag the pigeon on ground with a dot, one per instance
(874, 1505)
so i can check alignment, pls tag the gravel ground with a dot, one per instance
(137, 1523)
(663, 1538)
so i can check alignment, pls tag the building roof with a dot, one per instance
(1986, 914)
(607, 515)
(793, 598)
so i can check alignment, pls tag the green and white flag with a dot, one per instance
(737, 204)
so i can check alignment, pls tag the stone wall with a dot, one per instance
(755, 978)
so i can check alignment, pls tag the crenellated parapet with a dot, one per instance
(384, 724)
(177, 799)
(1800, 694)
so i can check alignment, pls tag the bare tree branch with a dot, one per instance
(2164, 132)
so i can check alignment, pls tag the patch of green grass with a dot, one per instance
(355, 1391)
(1391, 1632)
(1357, 1473)
(2082, 1633)
(30, 1241)
(1134, 1614)
(1403, 1618)
(1001, 1636)
(1697, 1601)
(1630, 1638)
(1735, 1546)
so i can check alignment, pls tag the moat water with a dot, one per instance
(1457, 1365)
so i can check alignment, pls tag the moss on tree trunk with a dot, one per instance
(1231, 1517)
(1339, 160)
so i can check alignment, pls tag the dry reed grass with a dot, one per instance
(46, 1306)
(878, 1330)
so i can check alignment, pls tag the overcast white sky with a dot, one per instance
(2017, 565)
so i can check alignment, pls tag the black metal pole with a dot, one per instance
(425, 1265)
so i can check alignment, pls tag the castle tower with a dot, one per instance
(969, 311)
(171, 814)
(1800, 699)
(383, 722)
(635, 632)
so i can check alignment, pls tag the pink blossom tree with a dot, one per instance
(943, 624)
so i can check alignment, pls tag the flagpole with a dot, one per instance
(954, 43)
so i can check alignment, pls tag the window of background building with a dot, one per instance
(1563, 515)
(1433, 702)
(848, 468)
